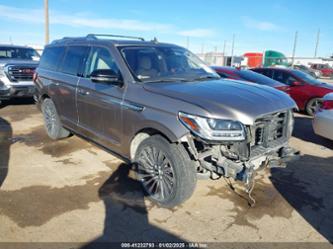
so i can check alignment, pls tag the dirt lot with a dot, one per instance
(72, 191)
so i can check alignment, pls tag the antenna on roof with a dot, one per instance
(154, 40)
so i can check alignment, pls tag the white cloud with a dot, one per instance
(77, 19)
(260, 25)
(197, 33)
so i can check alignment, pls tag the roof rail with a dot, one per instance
(95, 36)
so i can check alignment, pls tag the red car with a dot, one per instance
(250, 76)
(325, 69)
(303, 88)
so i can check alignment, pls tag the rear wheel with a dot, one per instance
(312, 106)
(52, 123)
(165, 170)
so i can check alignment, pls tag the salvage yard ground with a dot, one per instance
(73, 191)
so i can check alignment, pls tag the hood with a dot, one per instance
(235, 100)
(5, 62)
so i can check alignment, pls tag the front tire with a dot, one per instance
(312, 106)
(52, 122)
(165, 170)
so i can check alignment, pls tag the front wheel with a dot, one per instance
(312, 106)
(52, 122)
(165, 170)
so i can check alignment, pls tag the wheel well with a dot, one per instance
(44, 96)
(142, 135)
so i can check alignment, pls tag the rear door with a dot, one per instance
(99, 104)
(65, 85)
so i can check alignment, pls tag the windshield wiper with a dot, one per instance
(167, 80)
(207, 77)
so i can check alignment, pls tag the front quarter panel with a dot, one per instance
(158, 112)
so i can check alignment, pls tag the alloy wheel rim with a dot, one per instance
(314, 105)
(50, 119)
(156, 173)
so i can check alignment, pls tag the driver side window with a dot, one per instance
(284, 77)
(100, 58)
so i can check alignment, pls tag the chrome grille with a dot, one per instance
(269, 129)
(20, 73)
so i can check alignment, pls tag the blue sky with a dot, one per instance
(257, 24)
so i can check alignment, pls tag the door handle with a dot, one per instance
(83, 92)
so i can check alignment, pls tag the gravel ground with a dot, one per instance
(72, 191)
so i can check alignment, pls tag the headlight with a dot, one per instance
(213, 129)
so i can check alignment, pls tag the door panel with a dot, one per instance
(66, 84)
(299, 93)
(99, 104)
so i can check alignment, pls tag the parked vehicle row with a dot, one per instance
(303, 88)
(17, 66)
(325, 69)
(159, 107)
(313, 72)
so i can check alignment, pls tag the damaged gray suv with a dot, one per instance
(160, 108)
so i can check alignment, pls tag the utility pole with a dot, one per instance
(232, 49)
(294, 49)
(46, 17)
(224, 47)
(188, 42)
(317, 43)
(202, 48)
(215, 55)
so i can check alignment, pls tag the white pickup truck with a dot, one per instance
(17, 66)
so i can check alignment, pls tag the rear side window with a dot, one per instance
(74, 59)
(51, 57)
(223, 75)
(268, 73)
(284, 77)
(257, 78)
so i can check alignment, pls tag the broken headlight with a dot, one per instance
(213, 129)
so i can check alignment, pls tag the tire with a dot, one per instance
(165, 170)
(312, 106)
(52, 122)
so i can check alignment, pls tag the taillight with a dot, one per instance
(327, 105)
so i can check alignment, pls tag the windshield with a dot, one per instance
(257, 78)
(165, 63)
(306, 77)
(18, 53)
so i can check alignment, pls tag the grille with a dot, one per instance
(20, 73)
(269, 129)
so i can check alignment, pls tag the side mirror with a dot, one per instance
(296, 83)
(107, 76)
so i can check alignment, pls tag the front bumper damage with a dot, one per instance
(266, 146)
(214, 164)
